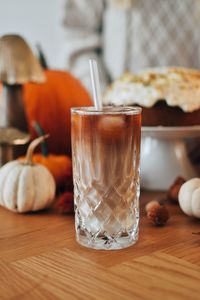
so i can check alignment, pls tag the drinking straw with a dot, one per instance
(96, 89)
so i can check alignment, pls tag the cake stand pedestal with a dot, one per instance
(164, 156)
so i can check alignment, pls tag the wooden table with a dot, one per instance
(40, 259)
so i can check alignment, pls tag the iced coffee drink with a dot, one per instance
(106, 154)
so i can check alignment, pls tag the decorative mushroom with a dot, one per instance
(189, 197)
(11, 140)
(18, 65)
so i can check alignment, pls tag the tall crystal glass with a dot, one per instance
(106, 155)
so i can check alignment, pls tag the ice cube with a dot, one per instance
(113, 226)
(92, 224)
(111, 127)
(84, 209)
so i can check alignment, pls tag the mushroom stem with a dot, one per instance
(6, 154)
(11, 107)
(32, 147)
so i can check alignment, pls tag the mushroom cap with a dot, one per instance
(13, 136)
(18, 64)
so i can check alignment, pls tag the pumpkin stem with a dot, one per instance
(40, 132)
(41, 57)
(32, 147)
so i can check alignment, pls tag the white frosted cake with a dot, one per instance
(168, 96)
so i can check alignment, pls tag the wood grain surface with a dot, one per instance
(40, 259)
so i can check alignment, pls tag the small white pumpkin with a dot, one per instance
(25, 186)
(189, 197)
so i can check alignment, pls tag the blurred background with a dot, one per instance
(123, 35)
(38, 22)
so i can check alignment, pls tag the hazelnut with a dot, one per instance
(158, 214)
(175, 188)
(151, 205)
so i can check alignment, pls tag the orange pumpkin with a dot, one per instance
(59, 165)
(49, 104)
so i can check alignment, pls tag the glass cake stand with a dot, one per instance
(164, 155)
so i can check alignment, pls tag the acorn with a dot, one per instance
(157, 213)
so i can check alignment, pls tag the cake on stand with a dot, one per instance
(169, 96)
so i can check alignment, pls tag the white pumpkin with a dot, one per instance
(189, 197)
(25, 186)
